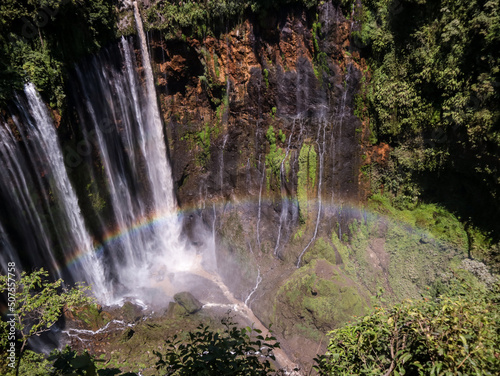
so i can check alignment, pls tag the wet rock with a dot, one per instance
(188, 302)
(131, 312)
(127, 334)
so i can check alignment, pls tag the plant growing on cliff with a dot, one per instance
(274, 158)
(434, 92)
(38, 304)
(306, 178)
(40, 39)
(266, 77)
(204, 142)
(320, 59)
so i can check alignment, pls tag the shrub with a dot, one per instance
(235, 351)
(452, 334)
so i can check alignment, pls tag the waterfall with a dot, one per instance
(155, 149)
(221, 163)
(7, 254)
(259, 211)
(284, 200)
(321, 149)
(214, 243)
(254, 290)
(37, 130)
(21, 207)
(338, 123)
(123, 153)
(146, 231)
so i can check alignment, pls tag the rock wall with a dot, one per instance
(220, 97)
(265, 148)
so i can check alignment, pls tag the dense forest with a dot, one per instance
(426, 104)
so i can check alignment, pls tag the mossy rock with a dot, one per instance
(321, 297)
(131, 312)
(175, 310)
(321, 250)
(91, 316)
(188, 302)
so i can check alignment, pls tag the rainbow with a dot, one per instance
(159, 219)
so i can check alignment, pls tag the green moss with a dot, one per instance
(321, 296)
(321, 250)
(204, 142)
(92, 316)
(266, 77)
(274, 158)
(281, 135)
(430, 217)
(97, 201)
(306, 177)
(299, 233)
(216, 66)
(320, 60)
(345, 253)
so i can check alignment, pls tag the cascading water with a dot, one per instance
(254, 290)
(146, 235)
(44, 153)
(131, 149)
(221, 162)
(321, 149)
(284, 200)
(259, 209)
(7, 255)
(22, 208)
(120, 121)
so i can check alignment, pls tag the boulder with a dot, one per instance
(188, 302)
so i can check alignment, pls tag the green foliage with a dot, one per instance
(320, 59)
(321, 250)
(266, 77)
(430, 217)
(306, 178)
(210, 80)
(274, 157)
(40, 39)
(201, 18)
(33, 364)
(39, 303)
(233, 351)
(434, 95)
(454, 334)
(204, 142)
(69, 362)
(97, 201)
(216, 66)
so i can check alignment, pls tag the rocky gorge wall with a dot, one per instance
(264, 146)
(267, 154)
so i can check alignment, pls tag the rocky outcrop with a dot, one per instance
(188, 302)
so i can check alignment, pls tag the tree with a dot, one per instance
(36, 304)
(235, 351)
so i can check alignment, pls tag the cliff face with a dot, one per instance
(220, 97)
(265, 149)
(268, 155)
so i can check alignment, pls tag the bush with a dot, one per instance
(452, 334)
(235, 351)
